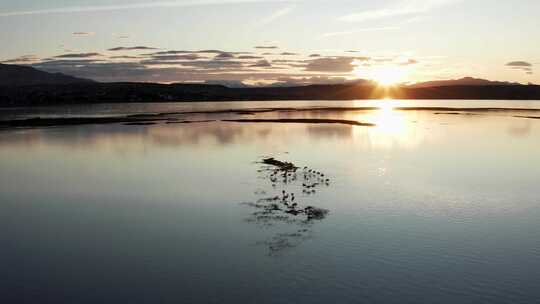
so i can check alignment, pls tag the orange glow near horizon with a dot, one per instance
(386, 75)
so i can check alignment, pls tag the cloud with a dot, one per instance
(133, 48)
(213, 64)
(179, 57)
(377, 14)
(210, 64)
(403, 8)
(175, 71)
(193, 55)
(519, 64)
(408, 62)
(144, 5)
(22, 59)
(79, 55)
(101, 71)
(277, 14)
(261, 64)
(70, 67)
(357, 31)
(171, 52)
(303, 81)
(196, 71)
(250, 57)
(524, 66)
(331, 65)
(83, 34)
(218, 52)
(210, 51)
(262, 47)
(287, 61)
(125, 57)
(224, 55)
(383, 59)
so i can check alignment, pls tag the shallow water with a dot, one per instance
(113, 109)
(424, 208)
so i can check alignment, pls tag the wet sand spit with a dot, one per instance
(173, 117)
(305, 121)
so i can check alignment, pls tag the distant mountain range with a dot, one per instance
(466, 81)
(16, 75)
(25, 86)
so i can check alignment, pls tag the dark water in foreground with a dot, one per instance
(424, 208)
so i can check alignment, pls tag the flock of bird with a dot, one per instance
(288, 174)
(285, 207)
(311, 178)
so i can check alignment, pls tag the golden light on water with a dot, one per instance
(388, 120)
(393, 128)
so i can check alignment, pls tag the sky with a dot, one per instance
(259, 42)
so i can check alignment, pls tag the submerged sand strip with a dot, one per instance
(455, 113)
(188, 121)
(304, 121)
(73, 121)
(529, 117)
(253, 111)
(149, 118)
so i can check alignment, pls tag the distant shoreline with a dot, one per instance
(92, 93)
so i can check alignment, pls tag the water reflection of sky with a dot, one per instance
(137, 108)
(445, 201)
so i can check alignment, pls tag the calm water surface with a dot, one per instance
(424, 208)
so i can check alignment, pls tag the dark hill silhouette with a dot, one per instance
(465, 81)
(24, 86)
(16, 75)
(147, 92)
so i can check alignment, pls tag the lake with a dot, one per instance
(426, 206)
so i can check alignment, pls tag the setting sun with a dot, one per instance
(389, 75)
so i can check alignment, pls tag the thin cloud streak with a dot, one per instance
(404, 8)
(159, 4)
(277, 14)
(364, 30)
(379, 14)
(83, 34)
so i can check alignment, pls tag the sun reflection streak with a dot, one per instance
(389, 121)
(393, 128)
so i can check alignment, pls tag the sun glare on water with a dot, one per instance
(392, 127)
(388, 120)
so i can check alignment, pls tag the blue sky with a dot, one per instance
(393, 40)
